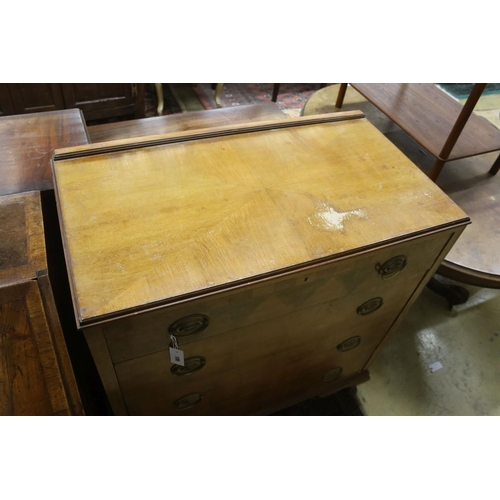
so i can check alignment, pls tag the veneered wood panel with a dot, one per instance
(182, 218)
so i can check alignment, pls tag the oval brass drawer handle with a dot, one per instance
(393, 266)
(332, 374)
(189, 325)
(370, 306)
(191, 365)
(349, 344)
(188, 401)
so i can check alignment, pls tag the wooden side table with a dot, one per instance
(445, 128)
(36, 376)
(474, 259)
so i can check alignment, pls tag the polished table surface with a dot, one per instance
(26, 146)
(184, 121)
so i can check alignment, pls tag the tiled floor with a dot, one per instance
(465, 341)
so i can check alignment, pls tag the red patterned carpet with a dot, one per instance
(291, 95)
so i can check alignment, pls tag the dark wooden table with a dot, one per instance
(27, 143)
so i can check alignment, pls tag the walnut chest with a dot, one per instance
(278, 256)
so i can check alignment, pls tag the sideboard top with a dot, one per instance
(152, 224)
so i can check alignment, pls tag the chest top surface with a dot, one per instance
(152, 223)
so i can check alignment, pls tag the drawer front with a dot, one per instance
(268, 359)
(150, 388)
(383, 271)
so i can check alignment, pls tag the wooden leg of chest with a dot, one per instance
(100, 353)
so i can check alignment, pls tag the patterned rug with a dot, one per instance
(291, 96)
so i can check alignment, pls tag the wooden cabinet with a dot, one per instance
(36, 376)
(19, 98)
(104, 100)
(278, 255)
(96, 100)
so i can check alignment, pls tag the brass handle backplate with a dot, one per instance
(349, 344)
(191, 365)
(370, 306)
(189, 325)
(393, 266)
(332, 374)
(188, 401)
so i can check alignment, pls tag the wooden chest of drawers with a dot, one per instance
(279, 255)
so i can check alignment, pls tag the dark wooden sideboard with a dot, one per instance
(96, 100)
(36, 376)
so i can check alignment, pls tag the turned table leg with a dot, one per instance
(218, 91)
(454, 294)
(159, 95)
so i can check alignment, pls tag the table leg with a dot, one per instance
(341, 95)
(159, 95)
(436, 169)
(454, 294)
(276, 89)
(218, 91)
(496, 166)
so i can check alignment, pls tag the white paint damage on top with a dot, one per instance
(326, 217)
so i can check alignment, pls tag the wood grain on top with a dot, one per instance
(155, 223)
(428, 114)
(184, 121)
(27, 143)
